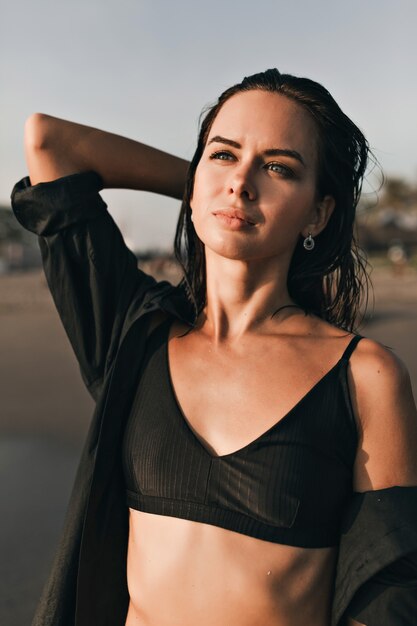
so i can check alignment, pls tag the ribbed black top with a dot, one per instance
(289, 486)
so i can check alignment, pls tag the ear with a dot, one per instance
(320, 216)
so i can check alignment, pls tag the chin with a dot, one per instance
(229, 244)
(230, 250)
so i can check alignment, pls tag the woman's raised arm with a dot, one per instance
(93, 276)
(56, 148)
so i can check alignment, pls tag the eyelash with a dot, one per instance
(285, 171)
(215, 155)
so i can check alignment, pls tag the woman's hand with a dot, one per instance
(56, 148)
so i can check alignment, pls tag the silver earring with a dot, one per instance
(192, 219)
(309, 242)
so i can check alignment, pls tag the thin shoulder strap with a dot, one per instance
(351, 346)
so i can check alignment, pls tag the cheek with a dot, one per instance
(204, 187)
(290, 213)
(197, 187)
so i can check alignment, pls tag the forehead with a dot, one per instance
(267, 120)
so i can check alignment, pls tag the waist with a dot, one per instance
(195, 572)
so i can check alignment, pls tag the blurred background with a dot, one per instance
(146, 69)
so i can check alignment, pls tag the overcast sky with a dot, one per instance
(146, 68)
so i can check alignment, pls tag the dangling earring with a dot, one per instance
(309, 242)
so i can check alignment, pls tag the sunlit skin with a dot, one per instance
(240, 371)
(183, 572)
(247, 268)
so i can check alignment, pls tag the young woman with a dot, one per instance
(251, 460)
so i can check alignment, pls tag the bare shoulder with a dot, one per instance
(377, 369)
(387, 417)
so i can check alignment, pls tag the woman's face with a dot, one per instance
(255, 185)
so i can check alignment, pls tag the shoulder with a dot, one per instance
(386, 414)
(376, 373)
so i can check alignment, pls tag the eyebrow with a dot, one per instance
(270, 152)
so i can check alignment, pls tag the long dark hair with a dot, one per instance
(331, 281)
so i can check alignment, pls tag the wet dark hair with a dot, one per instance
(331, 281)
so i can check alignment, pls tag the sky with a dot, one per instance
(146, 68)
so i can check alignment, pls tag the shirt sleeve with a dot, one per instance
(376, 582)
(91, 273)
(390, 597)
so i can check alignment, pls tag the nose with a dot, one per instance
(242, 184)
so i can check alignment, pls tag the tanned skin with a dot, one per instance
(180, 571)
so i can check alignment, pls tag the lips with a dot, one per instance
(236, 214)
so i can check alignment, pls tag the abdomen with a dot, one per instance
(187, 573)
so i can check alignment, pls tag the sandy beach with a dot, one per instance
(46, 410)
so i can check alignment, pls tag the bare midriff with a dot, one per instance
(183, 573)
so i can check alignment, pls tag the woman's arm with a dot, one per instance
(92, 275)
(387, 418)
(386, 458)
(56, 148)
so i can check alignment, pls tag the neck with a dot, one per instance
(244, 297)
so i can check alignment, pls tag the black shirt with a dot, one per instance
(104, 302)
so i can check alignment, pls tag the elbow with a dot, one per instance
(48, 148)
(39, 148)
(37, 132)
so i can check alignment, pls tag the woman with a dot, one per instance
(249, 430)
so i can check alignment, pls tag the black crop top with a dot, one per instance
(289, 486)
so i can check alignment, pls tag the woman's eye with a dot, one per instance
(222, 156)
(279, 169)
